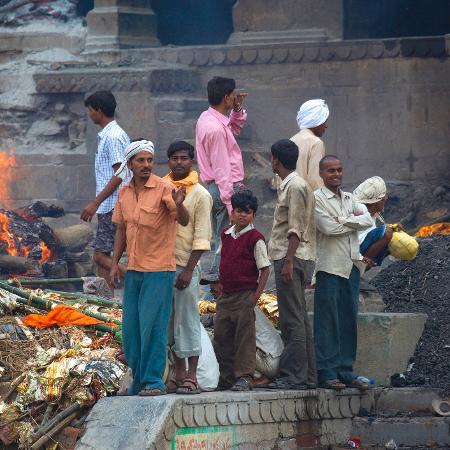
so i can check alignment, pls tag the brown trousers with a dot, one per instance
(235, 336)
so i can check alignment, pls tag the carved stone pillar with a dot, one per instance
(271, 21)
(117, 24)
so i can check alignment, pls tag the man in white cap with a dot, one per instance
(146, 214)
(374, 240)
(312, 119)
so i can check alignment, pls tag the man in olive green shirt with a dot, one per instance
(290, 246)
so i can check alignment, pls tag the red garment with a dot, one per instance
(238, 270)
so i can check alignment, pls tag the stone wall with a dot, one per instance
(388, 100)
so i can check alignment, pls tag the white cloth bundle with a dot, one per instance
(133, 149)
(312, 113)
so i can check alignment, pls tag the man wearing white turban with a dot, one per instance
(146, 214)
(374, 240)
(312, 119)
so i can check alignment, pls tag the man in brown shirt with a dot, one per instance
(292, 244)
(146, 214)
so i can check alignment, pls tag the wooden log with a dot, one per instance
(14, 385)
(56, 429)
(57, 419)
(18, 265)
(74, 238)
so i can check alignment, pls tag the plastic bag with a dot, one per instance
(269, 346)
(208, 367)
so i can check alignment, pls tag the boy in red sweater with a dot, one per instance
(244, 270)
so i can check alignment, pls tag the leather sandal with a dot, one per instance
(242, 384)
(172, 385)
(189, 386)
(358, 384)
(335, 384)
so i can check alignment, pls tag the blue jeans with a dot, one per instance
(219, 220)
(147, 303)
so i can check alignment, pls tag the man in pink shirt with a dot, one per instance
(218, 154)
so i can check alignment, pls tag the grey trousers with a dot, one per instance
(297, 363)
(219, 221)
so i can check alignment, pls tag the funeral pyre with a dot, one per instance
(29, 246)
(51, 376)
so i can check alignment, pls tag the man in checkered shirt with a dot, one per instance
(112, 141)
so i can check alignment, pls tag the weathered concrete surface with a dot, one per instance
(275, 15)
(386, 342)
(406, 431)
(368, 301)
(258, 419)
(398, 401)
(115, 24)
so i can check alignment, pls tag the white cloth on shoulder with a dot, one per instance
(312, 113)
(131, 150)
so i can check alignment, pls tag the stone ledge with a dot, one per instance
(157, 420)
(155, 80)
(296, 52)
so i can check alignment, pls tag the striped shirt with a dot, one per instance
(111, 143)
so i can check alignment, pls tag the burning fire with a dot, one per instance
(436, 228)
(6, 176)
(14, 245)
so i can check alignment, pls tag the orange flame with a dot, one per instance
(14, 246)
(46, 253)
(436, 228)
(6, 175)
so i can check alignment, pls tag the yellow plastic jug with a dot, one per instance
(403, 246)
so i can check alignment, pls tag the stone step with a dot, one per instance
(369, 301)
(405, 431)
(312, 420)
(416, 401)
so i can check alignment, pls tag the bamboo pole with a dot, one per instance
(29, 298)
(92, 299)
(44, 281)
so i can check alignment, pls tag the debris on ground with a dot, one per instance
(421, 286)
(51, 377)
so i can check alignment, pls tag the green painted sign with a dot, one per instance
(204, 438)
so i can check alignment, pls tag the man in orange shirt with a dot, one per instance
(146, 215)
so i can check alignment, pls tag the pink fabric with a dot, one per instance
(218, 154)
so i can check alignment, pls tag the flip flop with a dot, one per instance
(151, 392)
(335, 385)
(358, 384)
(189, 386)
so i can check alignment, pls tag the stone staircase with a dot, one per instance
(404, 415)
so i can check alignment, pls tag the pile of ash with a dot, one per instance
(422, 286)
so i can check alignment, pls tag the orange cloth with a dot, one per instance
(63, 316)
(150, 224)
(190, 181)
